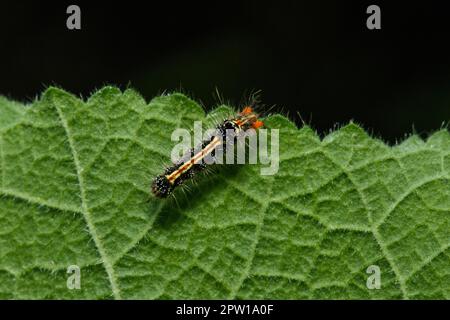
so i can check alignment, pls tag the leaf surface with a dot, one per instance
(75, 180)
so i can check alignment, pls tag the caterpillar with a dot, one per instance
(192, 162)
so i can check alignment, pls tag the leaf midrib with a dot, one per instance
(85, 210)
(106, 261)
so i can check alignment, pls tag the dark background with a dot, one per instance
(312, 57)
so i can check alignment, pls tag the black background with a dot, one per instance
(312, 57)
(283, 309)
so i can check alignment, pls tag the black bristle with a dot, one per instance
(161, 187)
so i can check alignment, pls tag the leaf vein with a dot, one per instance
(93, 233)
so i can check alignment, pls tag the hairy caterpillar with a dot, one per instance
(192, 162)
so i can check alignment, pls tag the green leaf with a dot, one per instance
(75, 180)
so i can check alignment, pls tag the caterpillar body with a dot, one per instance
(192, 162)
